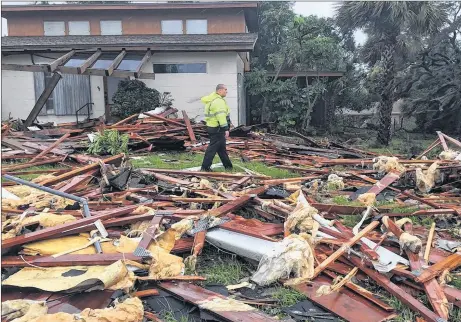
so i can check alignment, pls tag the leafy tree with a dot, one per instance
(431, 86)
(133, 96)
(109, 142)
(392, 28)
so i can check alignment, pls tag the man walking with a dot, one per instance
(218, 122)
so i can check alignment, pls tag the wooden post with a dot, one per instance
(42, 99)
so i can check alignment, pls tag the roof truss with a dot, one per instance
(87, 66)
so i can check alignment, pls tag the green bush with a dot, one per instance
(109, 142)
(133, 96)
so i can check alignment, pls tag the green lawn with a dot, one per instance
(181, 161)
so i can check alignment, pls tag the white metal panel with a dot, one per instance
(54, 28)
(111, 27)
(79, 28)
(172, 27)
(197, 26)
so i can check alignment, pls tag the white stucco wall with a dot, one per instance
(18, 95)
(187, 89)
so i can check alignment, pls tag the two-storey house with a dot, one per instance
(185, 49)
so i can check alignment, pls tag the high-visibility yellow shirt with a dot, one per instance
(216, 111)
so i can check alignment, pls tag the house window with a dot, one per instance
(111, 27)
(197, 26)
(172, 27)
(49, 105)
(79, 28)
(192, 68)
(54, 28)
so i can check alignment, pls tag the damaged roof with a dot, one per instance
(210, 42)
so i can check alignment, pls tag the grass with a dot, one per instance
(220, 268)
(456, 282)
(179, 161)
(404, 313)
(35, 168)
(288, 296)
(351, 220)
(168, 316)
(403, 146)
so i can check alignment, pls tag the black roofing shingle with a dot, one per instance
(246, 40)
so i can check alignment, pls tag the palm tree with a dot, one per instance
(389, 26)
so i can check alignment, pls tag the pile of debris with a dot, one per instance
(101, 240)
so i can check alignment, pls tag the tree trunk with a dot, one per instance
(265, 114)
(387, 95)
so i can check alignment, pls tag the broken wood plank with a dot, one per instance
(147, 236)
(344, 303)
(145, 293)
(429, 243)
(388, 179)
(76, 181)
(125, 120)
(196, 295)
(67, 260)
(53, 231)
(338, 253)
(396, 291)
(81, 170)
(158, 117)
(239, 183)
(449, 263)
(190, 131)
(237, 203)
(205, 174)
(51, 147)
(28, 165)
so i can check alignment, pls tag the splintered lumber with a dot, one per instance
(151, 316)
(449, 263)
(396, 291)
(432, 288)
(346, 304)
(145, 293)
(238, 183)
(429, 243)
(382, 184)
(190, 131)
(147, 237)
(67, 260)
(51, 147)
(237, 203)
(169, 179)
(339, 252)
(29, 165)
(158, 117)
(189, 278)
(125, 120)
(198, 296)
(76, 181)
(81, 170)
(54, 231)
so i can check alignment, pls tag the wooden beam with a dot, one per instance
(25, 68)
(51, 147)
(61, 60)
(190, 131)
(144, 60)
(42, 99)
(90, 61)
(161, 118)
(339, 252)
(115, 63)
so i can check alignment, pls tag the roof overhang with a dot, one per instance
(7, 9)
(156, 43)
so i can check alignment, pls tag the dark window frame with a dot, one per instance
(180, 68)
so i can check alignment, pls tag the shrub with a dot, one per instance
(109, 142)
(133, 96)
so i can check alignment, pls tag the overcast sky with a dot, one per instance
(321, 9)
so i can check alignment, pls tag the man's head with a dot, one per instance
(221, 90)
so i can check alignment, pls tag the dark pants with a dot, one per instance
(217, 145)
